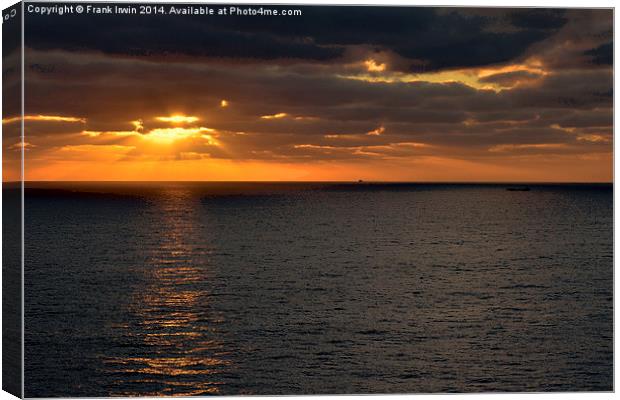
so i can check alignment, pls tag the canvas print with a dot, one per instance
(204, 199)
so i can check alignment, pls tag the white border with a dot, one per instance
(23, 178)
(459, 3)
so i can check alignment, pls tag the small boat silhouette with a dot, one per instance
(518, 189)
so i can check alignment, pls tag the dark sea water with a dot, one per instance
(197, 288)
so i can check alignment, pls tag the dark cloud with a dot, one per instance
(544, 19)
(569, 90)
(603, 54)
(430, 39)
(478, 49)
(11, 30)
(168, 36)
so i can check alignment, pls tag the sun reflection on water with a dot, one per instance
(176, 350)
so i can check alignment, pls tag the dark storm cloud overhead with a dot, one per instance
(603, 54)
(429, 39)
(439, 39)
(540, 18)
(585, 30)
(166, 36)
(479, 49)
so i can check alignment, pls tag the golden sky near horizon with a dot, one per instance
(507, 95)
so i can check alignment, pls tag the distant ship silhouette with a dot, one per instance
(518, 189)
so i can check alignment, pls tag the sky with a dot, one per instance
(336, 94)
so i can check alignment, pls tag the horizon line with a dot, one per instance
(361, 181)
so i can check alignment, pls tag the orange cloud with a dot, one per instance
(275, 116)
(376, 132)
(21, 145)
(52, 118)
(374, 66)
(510, 147)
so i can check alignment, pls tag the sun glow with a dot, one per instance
(474, 77)
(275, 116)
(373, 66)
(169, 135)
(532, 66)
(178, 119)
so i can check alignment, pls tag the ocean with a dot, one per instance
(315, 288)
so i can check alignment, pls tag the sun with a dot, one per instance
(169, 135)
(183, 127)
(178, 119)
